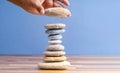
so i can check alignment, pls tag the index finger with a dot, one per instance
(66, 2)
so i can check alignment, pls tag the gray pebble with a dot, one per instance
(55, 31)
(55, 37)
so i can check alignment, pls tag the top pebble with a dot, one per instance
(55, 26)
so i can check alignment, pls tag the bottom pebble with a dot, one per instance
(54, 65)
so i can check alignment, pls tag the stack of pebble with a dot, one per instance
(54, 56)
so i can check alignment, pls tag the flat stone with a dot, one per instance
(55, 26)
(54, 53)
(54, 42)
(55, 47)
(55, 59)
(54, 65)
(55, 31)
(55, 37)
(57, 12)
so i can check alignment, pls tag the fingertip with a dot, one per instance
(66, 2)
(42, 12)
(69, 15)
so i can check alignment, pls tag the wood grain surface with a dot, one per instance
(80, 64)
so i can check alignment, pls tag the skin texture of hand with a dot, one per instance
(38, 6)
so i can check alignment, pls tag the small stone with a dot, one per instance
(54, 47)
(54, 65)
(54, 42)
(55, 26)
(58, 12)
(55, 59)
(55, 37)
(55, 31)
(54, 53)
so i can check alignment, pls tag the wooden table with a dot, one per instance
(80, 64)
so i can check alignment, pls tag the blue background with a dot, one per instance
(93, 29)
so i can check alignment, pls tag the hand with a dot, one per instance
(38, 6)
